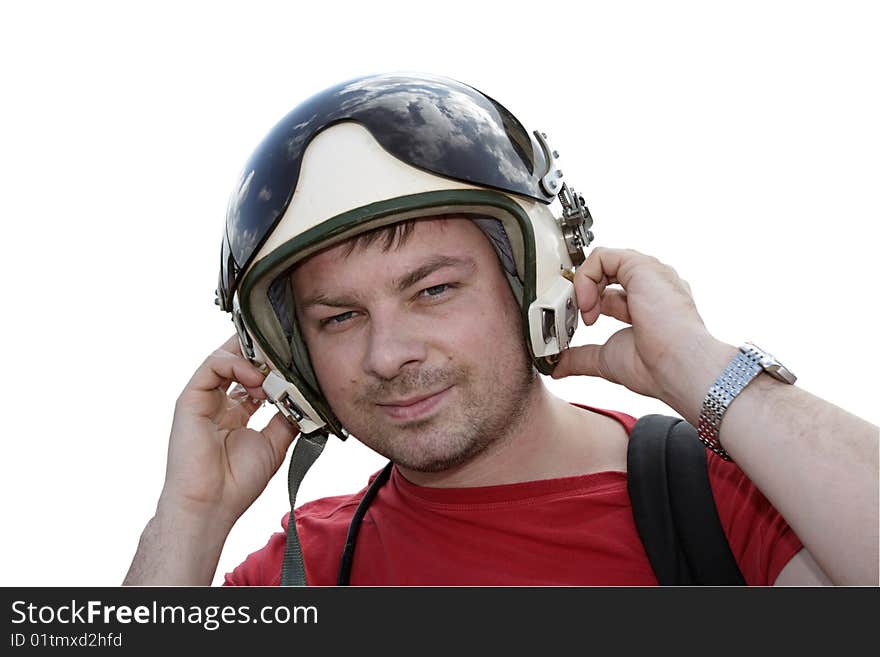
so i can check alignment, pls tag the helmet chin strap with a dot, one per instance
(306, 451)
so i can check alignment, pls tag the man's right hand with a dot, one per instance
(216, 468)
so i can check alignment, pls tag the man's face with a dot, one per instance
(433, 318)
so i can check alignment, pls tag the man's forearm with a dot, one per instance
(176, 551)
(815, 462)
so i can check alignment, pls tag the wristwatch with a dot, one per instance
(749, 362)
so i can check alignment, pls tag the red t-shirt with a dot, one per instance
(570, 531)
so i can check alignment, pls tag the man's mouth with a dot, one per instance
(410, 408)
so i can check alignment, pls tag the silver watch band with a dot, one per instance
(736, 376)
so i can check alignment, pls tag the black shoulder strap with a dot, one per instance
(673, 507)
(345, 563)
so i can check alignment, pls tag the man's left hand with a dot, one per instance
(656, 353)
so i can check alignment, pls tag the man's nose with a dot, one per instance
(393, 344)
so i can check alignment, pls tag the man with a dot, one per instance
(385, 287)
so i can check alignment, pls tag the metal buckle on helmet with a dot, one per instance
(277, 390)
(576, 220)
(292, 404)
(575, 223)
(551, 181)
(293, 409)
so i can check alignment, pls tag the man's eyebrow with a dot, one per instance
(435, 263)
(432, 265)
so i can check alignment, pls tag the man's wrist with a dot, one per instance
(694, 372)
(176, 550)
(208, 523)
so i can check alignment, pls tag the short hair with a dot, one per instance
(397, 234)
(394, 236)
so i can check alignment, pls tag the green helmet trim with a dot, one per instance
(363, 217)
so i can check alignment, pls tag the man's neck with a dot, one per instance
(553, 439)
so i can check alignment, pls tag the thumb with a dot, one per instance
(583, 360)
(280, 433)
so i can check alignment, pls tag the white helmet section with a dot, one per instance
(345, 168)
(553, 315)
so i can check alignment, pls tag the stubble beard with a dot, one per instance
(479, 414)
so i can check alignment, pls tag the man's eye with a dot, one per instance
(437, 290)
(432, 292)
(336, 319)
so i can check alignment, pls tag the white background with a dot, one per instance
(736, 141)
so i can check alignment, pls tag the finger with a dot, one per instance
(614, 305)
(603, 267)
(611, 302)
(589, 297)
(602, 263)
(221, 368)
(592, 277)
(280, 433)
(584, 360)
(233, 346)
